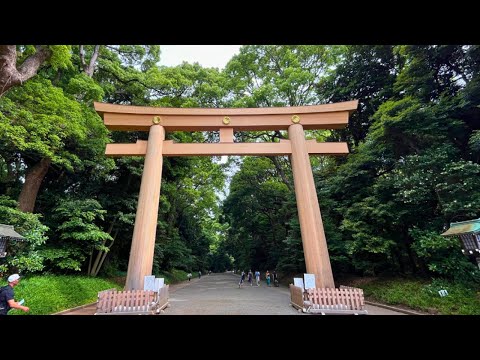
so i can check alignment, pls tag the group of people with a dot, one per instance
(268, 278)
(189, 275)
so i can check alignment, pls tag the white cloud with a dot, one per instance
(206, 55)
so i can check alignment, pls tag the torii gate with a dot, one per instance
(157, 121)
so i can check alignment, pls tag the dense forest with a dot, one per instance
(413, 167)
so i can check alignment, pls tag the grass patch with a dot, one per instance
(173, 276)
(423, 295)
(48, 294)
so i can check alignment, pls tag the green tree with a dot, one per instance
(274, 75)
(79, 235)
(256, 211)
(366, 73)
(414, 168)
(22, 256)
(19, 63)
(47, 127)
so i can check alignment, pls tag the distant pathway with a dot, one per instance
(219, 294)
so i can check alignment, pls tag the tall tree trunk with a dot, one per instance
(398, 255)
(33, 181)
(90, 67)
(417, 264)
(105, 253)
(89, 270)
(92, 270)
(10, 75)
(280, 172)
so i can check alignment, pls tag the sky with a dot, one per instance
(205, 55)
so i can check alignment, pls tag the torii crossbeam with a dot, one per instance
(160, 120)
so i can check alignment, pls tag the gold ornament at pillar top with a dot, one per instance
(157, 120)
(226, 120)
(295, 119)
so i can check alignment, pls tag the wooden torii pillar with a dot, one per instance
(160, 120)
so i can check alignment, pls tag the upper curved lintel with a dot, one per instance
(148, 110)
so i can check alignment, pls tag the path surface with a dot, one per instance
(218, 294)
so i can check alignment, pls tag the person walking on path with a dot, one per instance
(257, 277)
(189, 275)
(250, 277)
(242, 279)
(7, 295)
(275, 279)
(267, 277)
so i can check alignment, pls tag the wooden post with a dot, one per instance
(143, 242)
(313, 237)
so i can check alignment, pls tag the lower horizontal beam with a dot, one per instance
(137, 149)
(217, 149)
(326, 148)
(253, 149)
